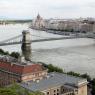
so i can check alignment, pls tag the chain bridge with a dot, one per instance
(18, 39)
(25, 39)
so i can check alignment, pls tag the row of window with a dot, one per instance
(53, 94)
(56, 92)
(70, 94)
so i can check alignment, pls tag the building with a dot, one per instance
(13, 71)
(86, 27)
(34, 77)
(82, 25)
(58, 84)
(38, 23)
(94, 27)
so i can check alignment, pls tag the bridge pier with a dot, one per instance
(26, 45)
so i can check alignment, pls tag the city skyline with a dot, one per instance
(28, 9)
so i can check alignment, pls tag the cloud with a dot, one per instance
(47, 8)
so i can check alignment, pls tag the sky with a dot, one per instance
(28, 9)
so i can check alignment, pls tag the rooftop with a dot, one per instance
(12, 65)
(13, 60)
(52, 80)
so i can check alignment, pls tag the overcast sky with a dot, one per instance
(22, 9)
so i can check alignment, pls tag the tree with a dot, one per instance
(7, 91)
(6, 53)
(93, 87)
(86, 76)
(15, 54)
(1, 51)
(73, 74)
(16, 89)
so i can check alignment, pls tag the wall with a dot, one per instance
(82, 90)
(34, 76)
(8, 78)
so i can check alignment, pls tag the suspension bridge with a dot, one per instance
(18, 39)
(25, 39)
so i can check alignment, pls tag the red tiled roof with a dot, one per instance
(20, 69)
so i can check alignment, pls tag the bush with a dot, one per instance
(86, 76)
(1, 51)
(16, 89)
(52, 68)
(73, 74)
(15, 54)
(6, 91)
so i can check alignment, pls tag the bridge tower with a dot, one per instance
(26, 45)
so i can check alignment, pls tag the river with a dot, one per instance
(71, 54)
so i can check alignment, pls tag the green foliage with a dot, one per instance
(7, 91)
(52, 68)
(79, 75)
(73, 74)
(93, 81)
(86, 76)
(2, 52)
(15, 54)
(16, 89)
(93, 87)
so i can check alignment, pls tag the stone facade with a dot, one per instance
(82, 90)
(59, 90)
(62, 90)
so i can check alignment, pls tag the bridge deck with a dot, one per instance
(40, 40)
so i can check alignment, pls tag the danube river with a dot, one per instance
(71, 54)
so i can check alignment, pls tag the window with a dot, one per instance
(76, 90)
(47, 93)
(57, 90)
(54, 90)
